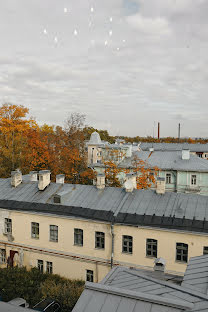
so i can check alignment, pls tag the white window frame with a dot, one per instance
(193, 178)
(40, 265)
(35, 230)
(49, 267)
(8, 226)
(168, 178)
(2, 256)
(53, 233)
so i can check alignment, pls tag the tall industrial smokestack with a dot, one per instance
(179, 132)
(158, 134)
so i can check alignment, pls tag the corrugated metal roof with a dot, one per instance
(203, 148)
(167, 161)
(196, 275)
(133, 290)
(141, 207)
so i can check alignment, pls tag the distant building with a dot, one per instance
(82, 231)
(136, 290)
(183, 171)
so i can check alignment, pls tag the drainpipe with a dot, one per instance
(112, 244)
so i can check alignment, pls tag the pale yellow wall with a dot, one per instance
(94, 153)
(166, 246)
(62, 251)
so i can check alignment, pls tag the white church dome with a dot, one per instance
(95, 138)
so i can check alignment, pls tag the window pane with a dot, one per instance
(49, 267)
(127, 244)
(78, 237)
(2, 256)
(34, 230)
(89, 276)
(181, 252)
(151, 247)
(205, 251)
(54, 233)
(40, 265)
(8, 225)
(99, 240)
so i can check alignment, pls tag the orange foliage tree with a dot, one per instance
(25, 145)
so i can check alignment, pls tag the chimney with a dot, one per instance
(151, 149)
(185, 154)
(33, 176)
(60, 178)
(159, 264)
(130, 183)
(100, 181)
(16, 178)
(44, 179)
(160, 185)
(179, 132)
(158, 134)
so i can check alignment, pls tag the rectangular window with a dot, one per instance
(151, 247)
(78, 237)
(181, 252)
(193, 179)
(205, 250)
(89, 276)
(49, 267)
(53, 233)
(34, 230)
(2, 256)
(8, 226)
(127, 244)
(99, 240)
(168, 178)
(40, 265)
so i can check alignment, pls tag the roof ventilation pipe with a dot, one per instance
(159, 264)
(44, 179)
(160, 185)
(33, 176)
(16, 178)
(100, 181)
(60, 178)
(130, 184)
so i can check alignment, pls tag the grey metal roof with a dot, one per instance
(141, 207)
(167, 161)
(196, 275)
(133, 290)
(203, 148)
(7, 307)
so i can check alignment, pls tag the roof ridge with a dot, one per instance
(176, 303)
(164, 283)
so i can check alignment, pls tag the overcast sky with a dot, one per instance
(124, 63)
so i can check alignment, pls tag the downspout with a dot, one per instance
(112, 244)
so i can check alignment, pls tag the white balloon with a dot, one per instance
(118, 49)
(124, 40)
(65, 10)
(45, 31)
(92, 9)
(55, 39)
(106, 42)
(75, 32)
(110, 33)
(111, 19)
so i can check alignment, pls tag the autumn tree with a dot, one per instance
(146, 176)
(13, 137)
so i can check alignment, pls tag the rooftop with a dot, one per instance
(180, 211)
(203, 148)
(131, 290)
(167, 161)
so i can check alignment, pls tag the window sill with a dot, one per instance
(150, 257)
(53, 241)
(127, 253)
(98, 248)
(37, 238)
(76, 245)
(181, 262)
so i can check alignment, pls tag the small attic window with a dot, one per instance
(57, 199)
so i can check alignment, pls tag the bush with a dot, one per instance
(34, 286)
